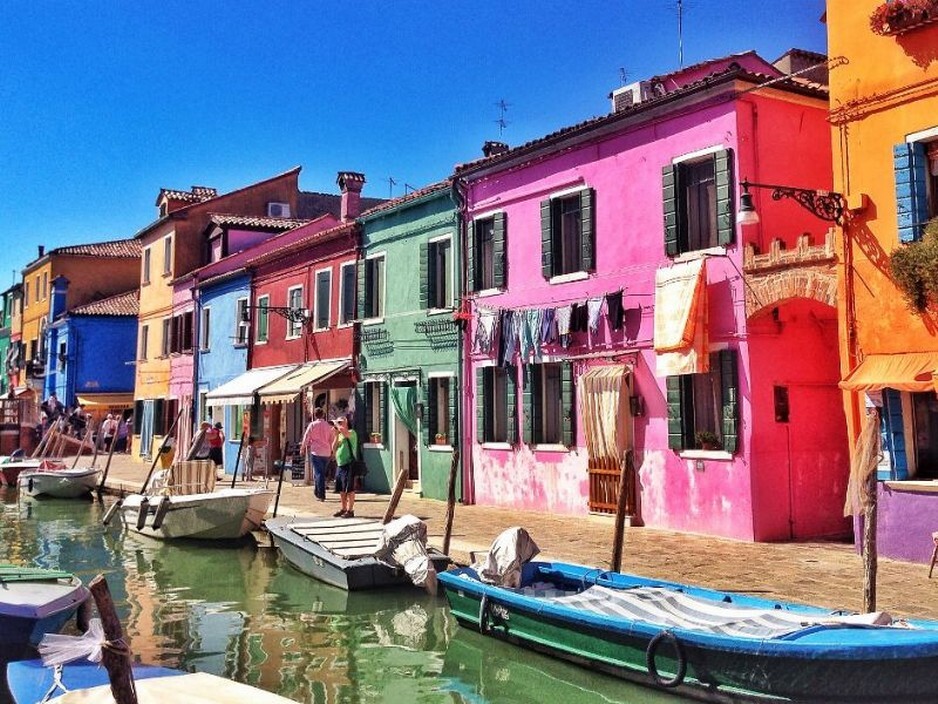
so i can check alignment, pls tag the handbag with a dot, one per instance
(359, 468)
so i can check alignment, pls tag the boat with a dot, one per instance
(34, 602)
(184, 504)
(11, 469)
(59, 483)
(357, 553)
(700, 643)
(29, 682)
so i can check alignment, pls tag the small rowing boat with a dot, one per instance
(59, 483)
(34, 602)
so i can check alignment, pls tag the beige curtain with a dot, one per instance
(604, 401)
(681, 323)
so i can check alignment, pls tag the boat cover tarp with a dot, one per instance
(404, 542)
(502, 564)
(672, 609)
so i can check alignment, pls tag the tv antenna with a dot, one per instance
(501, 121)
(623, 75)
(680, 6)
(391, 184)
(408, 188)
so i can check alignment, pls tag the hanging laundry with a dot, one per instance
(508, 339)
(614, 309)
(485, 331)
(548, 326)
(594, 307)
(530, 333)
(563, 315)
(579, 318)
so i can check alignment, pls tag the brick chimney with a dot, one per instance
(494, 149)
(350, 184)
(42, 251)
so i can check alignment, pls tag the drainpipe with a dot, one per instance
(458, 195)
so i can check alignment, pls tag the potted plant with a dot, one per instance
(914, 268)
(376, 438)
(707, 440)
(440, 439)
(897, 16)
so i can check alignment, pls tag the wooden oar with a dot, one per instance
(283, 459)
(81, 447)
(450, 502)
(43, 441)
(107, 468)
(156, 456)
(238, 460)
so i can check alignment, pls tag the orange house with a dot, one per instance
(884, 116)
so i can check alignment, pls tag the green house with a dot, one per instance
(407, 405)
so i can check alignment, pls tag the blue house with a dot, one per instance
(91, 351)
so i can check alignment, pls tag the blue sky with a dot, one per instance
(103, 103)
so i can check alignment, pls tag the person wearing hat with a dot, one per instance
(346, 450)
(108, 430)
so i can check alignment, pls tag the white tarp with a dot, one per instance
(504, 560)
(404, 542)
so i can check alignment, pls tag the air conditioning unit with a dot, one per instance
(635, 93)
(278, 210)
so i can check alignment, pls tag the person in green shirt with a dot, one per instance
(346, 450)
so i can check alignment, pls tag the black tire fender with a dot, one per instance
(652, 651)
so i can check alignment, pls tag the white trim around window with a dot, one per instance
(205, 328)
(375, 319)
(341, 294)
(294, 330)
(168, 255)
(316, 301)
(698, 153)
(451, 274)
(242, 331)
(263, 303)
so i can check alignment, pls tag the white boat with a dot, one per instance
(12, 467)
(185, 505)
(59, 483)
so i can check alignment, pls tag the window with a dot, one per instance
(371, 287)
(548, 404)
(441, 410)
(347, 293)
(567, 238)
(703, 409)
(295, 303)
(925, 420)
(167, 255)
(145, 275)
(63, 356)
(205, 329)
(496, 404)
(181, 334)
(263, 319)
(373, 395)
(203, 407)
(26, 294)
(323, 298)
(487, 253)
(45, 286)
(698, 203)
(144, 341)
(37, 289)
(242, 322)
(916, 174)
(167, 342)
(436, 276)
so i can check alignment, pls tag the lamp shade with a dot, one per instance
(746, 215)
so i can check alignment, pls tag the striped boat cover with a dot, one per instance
(672, 609)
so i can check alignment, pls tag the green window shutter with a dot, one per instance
(499, 243)
(362, 266)
(138, 417)
(510, 403)
(481, 378)
(362, 416)
(471, 256)
(527, 403)
(730, 379)
(568, 404)
(383, 412)
(675, 413)
(587, 230)
(726, 215)
(547, 240)
(669, 181)
(425, 292)
(432, 424)
(453, 410)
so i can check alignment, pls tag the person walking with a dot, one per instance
(108, 431)
(216, 441)
(317, 442)
(346, 450)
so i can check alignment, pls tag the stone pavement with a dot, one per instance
(821, 573)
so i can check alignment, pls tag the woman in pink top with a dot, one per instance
(317, 441)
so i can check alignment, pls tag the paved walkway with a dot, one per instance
(822, 573)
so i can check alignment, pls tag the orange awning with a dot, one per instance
(906, 371)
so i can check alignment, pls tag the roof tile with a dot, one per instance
(127, 303)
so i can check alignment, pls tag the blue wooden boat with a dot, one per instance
(29, 681)
(34, 602)
(701, 643)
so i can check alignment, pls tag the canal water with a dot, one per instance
(241, 612)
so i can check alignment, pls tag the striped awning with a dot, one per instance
(288, 387)
(240, 390)
(907, 371)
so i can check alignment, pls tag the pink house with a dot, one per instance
(623, 325)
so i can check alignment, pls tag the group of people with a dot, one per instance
(74, 421)
(211, 443)
(323, 441)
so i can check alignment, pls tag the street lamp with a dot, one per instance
(294, 315)
(826, 205)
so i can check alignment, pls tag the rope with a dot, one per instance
(56, 685)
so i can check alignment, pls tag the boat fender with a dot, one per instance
(142, 515)
(29, 485)
(484, 614)
(161, 512)
(109, 514)
(652, 651)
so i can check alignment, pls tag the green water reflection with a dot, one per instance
(237, 611)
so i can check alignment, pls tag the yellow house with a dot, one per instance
(884, 116)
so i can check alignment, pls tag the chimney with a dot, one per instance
(494, 148)
(42, 251)
(350, 184)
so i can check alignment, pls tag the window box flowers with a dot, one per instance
(899, 16)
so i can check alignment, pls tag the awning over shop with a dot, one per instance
(107, 400)
(907, 371)
(288, 387)
(240, 390)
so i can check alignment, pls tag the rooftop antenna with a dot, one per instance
(391, 184)
(501, 121)
(408, 188)
(680, 33)
(623, 75)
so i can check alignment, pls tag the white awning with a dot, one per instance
(289, 386)
(240, 390)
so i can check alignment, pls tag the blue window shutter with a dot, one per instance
(499, 244)
(894, 433)
(911, 164)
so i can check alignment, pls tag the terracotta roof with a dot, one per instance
(127, 303)
(263, 223)
(311, 205)
(315, 238)
(196, 195)
(733, 71)
(413, 195)
(114, 249)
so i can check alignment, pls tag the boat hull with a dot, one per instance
(227, 514)
(313, 559)
(30, 609)
(847, 665)
(59, 483)
(29, 680)
(11, 470)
